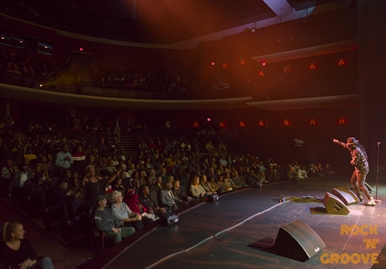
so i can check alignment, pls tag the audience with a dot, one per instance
(149, 182)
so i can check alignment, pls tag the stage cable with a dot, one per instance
(212, 237)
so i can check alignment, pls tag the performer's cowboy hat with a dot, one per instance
(352, 140)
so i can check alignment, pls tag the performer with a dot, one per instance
(359, 161)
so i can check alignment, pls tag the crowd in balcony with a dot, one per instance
(26, 71)
(165, 84)
(152, 81)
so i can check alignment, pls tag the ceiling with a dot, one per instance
(186, 23)
(174, 21)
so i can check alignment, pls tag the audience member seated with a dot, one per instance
(105, 222)
(178, 193)
(320, 170)
(237, 180)
(230, 185)
(167, 198)
(222, 186)
(213, 184)
(209, 147)
(196, 189)
(139, 201)
(117, 185)
(16, 252)
(262, 177)
(272, 174)
(149, 204)
(123, 213)
(157, 186)
(205, 184)
(312, 172)
(292, 174)
(302, 172)
(329, 170)
(252, 179)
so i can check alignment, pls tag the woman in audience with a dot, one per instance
(123, 213)
(196, 190)
(17, 253)
(95, 185)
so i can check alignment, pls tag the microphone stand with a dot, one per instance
(376, 189)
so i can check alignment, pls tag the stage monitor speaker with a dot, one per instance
(298, 241)
(345, 195)
(211, 198)
(169, 219)
(334, 205)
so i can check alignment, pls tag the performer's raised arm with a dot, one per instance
(336, 141)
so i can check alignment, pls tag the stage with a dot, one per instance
(239, 231)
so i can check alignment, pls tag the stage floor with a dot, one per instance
(238, 231)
